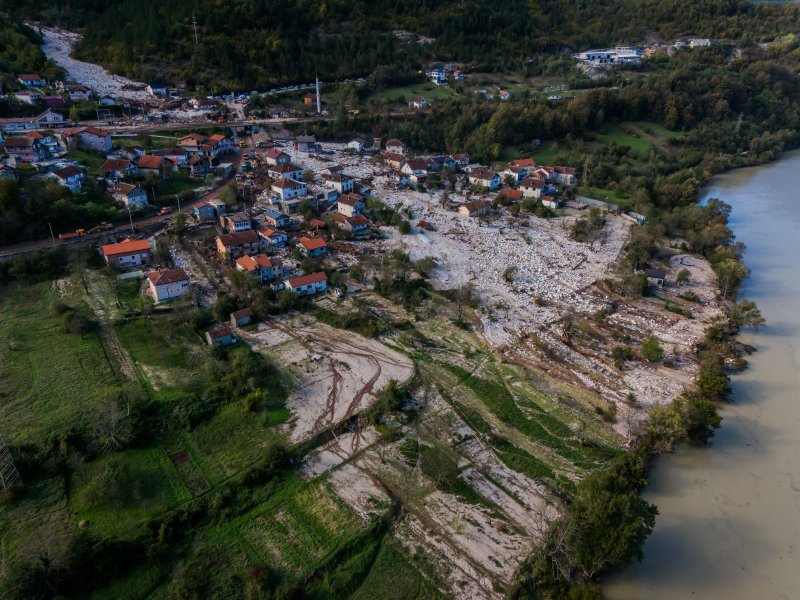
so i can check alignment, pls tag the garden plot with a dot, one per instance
(337, 374)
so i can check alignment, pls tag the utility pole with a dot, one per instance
(52, 237)
(131, 218)
(319, 102)
(196, 39)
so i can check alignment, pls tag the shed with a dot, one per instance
(242, 317)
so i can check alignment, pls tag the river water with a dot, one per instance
(729, 522)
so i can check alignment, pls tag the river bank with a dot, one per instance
(729, 514)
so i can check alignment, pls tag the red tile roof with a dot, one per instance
(166, 276)
(306, 279)
(116, 164)
(239, 238)
(349, 199)
(251, 263)
(313, 243)
(126, 247)
(523, 162)
(150, 162)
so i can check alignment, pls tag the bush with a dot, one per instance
(651, 350)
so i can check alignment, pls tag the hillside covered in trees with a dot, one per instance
(258, 43)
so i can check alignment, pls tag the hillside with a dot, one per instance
(255, 43)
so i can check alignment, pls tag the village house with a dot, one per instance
(395, 146)
(271, 236)
(332, 170)
(305, 143)
(313, 247)
(177, 156)
(523, 163)
(419, 102)
(358, 225)
(341, 183)
(29, 96)
(211, 210)
(220, 336)
(235, 222)
(350, 205)
(107, 101)
(275, 218)
(461, 160)
(285, 170)
(154, 165)
(130, 152)
(31, 80)
(476, 208)
(128, 253)
(393, 160)
(41, 121)
(78, 93)
(414, 166)
(565, 175)
(69, 177)
(261, 267)
(356, 144)
(276, 156)
(234, 245)
(288, 188)
(532, 188)
(240, 318)
(167, 284)
(156, 89)
(485, 179)
(544, 173)
(26, 149)
(117, 168)
(516, 174)
(199, 165)
(130, 195)
(220, 144)
(551, 202)
(655, 276)
(308, 285)
(88, 138)
(206, 104)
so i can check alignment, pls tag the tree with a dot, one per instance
(684, 276)
(651, 350)
(74, 114)
(404, 227)
(230, 194)
(745, 313)
(179, 224)
(730, 274)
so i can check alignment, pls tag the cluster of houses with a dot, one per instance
(523, 177)
(440, 73)
(197, 155)
(631, 55)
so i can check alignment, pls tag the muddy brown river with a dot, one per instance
(729, 522)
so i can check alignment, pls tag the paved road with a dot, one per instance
(123, 228)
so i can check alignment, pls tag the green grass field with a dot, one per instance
(49, 379)
(91, 160)
(426, 90)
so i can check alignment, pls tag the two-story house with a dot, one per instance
(69, 177)
(234, 245)
(128, 253)
(308, 284)
(167, 284)
(350, 205)
(130, 195)
(287, 189)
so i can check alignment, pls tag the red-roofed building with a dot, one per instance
(350, 205)
(395, 146)
(511, 196)
(523, 162)
(565, 175)
(476, 208)
(167, 284)
(288, 188)
(261, 267)
(276, 156)
(532, 188)
(31, 80)
(89, 138)
(128, 253)
(357, 225)
(315, 246)
(234, 245)
(117, 168)
(156, 165)
(308, 284)
(240, 318)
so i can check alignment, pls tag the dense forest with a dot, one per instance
(20, 53)
(258, 43)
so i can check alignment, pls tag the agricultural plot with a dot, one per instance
(39, 395)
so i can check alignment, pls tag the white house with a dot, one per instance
(350, 205)
(128, 253)
(271, 236)
(339, 182)
(308, 284)
(41, 121)
(130, 195)
(564, 175)
(288, 188)
(419, 102)
(69, 177)
(31, 80)
(356, 144)
(484, 178)
(168, 284)
(236, 222)
(276, 156)
(90, 138)
(395, 146)
(532, 188)
(286, 170)
(260, 266)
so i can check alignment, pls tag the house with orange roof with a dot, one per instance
(313, 246)
(261, 267)
(128, 253)
(308, 285)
